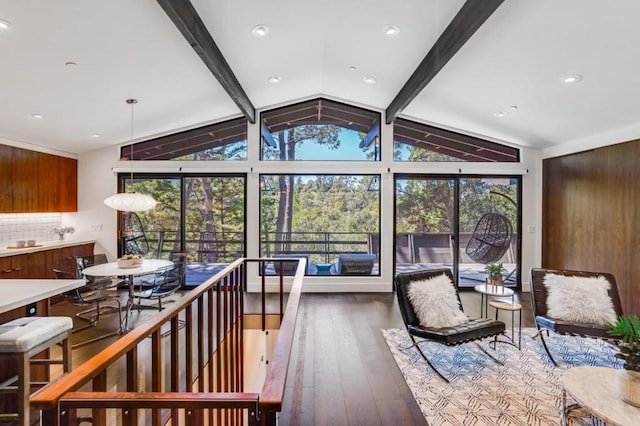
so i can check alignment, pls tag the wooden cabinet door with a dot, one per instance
(48, 187)
(25, 181)
(6, 179)
(35, 182)
(64, 258)
(5, 268)
(67, 185)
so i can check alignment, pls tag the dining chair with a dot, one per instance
(97, 283)
(167, 280)
(99, 302)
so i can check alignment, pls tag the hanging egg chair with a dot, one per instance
(490, 239)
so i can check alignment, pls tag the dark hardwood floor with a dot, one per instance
(341, 371)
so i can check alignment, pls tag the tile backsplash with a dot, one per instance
(26, 226)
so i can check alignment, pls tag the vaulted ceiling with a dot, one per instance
(75, 62)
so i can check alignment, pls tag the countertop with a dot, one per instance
(17, 293)
(47, 245)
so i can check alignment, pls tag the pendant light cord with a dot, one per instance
(131, 102)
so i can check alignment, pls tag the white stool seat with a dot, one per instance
(24, 334)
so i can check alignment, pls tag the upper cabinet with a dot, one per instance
(37, 182)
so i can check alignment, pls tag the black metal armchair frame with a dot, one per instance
(100, 302)
(545, 323)
(472, 331)
(167, 280)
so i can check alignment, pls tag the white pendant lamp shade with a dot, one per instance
(131, 202)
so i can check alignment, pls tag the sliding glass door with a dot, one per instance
(458, 222)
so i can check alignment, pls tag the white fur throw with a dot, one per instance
(579, 299)
(435, 302)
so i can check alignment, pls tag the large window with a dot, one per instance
(332, 220)
(320, 130)
(201, 215)
(214, 142)
(420, 142)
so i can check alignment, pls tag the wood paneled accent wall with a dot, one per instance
(591, 215)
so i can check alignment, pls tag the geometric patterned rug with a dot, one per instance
(525, 391)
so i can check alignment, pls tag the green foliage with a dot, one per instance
(494, 269)
(628, 329)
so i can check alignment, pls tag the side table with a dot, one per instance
(487, 290)
(596, 390)
(513, 307)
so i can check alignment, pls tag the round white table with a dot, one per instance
(111, 269)
(489, 290)
(596, 389)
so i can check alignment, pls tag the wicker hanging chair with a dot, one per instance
(134, 240)
(490, 239)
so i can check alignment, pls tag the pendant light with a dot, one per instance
(131, 201)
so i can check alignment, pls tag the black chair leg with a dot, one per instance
(496, 360)
(415, 343)
(544, 345)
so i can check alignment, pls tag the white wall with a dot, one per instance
(97, 181)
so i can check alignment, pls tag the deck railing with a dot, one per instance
(183, 366)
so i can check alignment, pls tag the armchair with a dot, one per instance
(470, 331)
(544, 320)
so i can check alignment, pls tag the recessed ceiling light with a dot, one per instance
(37, 116)
(95, 136)
(391, 30)
(70, 64)
(260, 30)
(571, 78)
(274, 79)
(499, 113)
(369, 80)
(352, 68)
(513, 107)
(5, 25)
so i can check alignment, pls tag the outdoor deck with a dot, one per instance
(471, 274)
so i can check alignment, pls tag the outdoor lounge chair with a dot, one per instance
(545, 323)
(472, 331)
(354, 264)
(289, 267)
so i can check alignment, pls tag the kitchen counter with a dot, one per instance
(48, 245)
(18, 293)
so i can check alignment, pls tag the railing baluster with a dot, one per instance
(201, 344)
(220, 399)
(99, 384)
(156, 371)
(175, 363)
(132, 385)
(188, 333)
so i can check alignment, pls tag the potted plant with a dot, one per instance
(495, 270)
(627, 328)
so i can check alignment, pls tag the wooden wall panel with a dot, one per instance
(591, 215)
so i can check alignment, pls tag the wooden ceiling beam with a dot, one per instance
(469, 18)
(187, 20)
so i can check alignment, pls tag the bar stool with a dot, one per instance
(21, 339)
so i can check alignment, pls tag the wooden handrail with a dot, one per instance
(228, 348)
